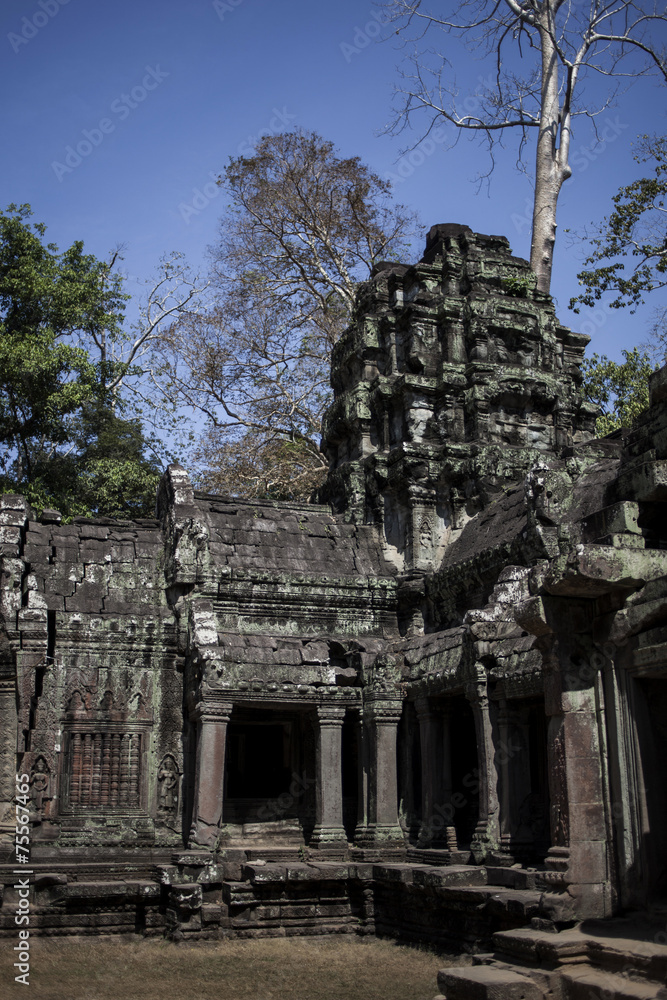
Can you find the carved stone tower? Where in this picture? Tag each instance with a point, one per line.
(454, 376)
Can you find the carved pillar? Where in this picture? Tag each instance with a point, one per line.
(362, 778)
(578, 855)
(574, 704)
(485, 837)
(382, 726)
(212, 719)
(329, 829)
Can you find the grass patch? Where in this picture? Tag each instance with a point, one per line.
(332, 968)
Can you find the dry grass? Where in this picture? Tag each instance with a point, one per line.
(341, 968)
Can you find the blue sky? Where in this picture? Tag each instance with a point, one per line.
(161, 95)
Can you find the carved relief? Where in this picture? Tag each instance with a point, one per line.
(417, 418)
(188, 547)
(40, 789)
(168, 777)
(560, 818)
(425, 538)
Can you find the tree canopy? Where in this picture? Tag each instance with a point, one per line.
(620, 389)
(634, 233)
(63, 443)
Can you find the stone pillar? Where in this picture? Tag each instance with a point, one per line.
(362, 779)
(577, 863)
(329, 831)
(486, 835)
(383, 828)
(212, 718)
(577, 858)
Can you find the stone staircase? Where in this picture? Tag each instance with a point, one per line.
(618, 959)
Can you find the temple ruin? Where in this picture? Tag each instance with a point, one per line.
(431, 705)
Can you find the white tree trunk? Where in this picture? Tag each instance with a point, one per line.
(551, 166)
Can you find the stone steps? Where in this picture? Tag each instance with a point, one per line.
(621, 959)
(581, 982)
(485, 982)
(514, 878)
(611, 953)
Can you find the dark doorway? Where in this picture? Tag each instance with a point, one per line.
(652, 795)
(465, 770)
(258, 760)
(537, 807)
(270, 773)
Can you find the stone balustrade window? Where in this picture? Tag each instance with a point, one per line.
(104, 769)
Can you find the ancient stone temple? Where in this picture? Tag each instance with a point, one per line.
(431, 705)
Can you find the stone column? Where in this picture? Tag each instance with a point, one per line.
(573, 696)
(486, 835)
(383, 826)
(212, 719)
(362, 778)
(578, 855)
(329, 831)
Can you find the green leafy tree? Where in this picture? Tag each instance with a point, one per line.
(619, 389)
(636, 232)
(61, 442)
(46, 297)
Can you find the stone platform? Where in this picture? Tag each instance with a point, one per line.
(199, 895)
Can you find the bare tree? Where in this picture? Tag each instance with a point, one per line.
(309, 222)
(259, 376)
(303, 228)
(125, 354)
(558, 42)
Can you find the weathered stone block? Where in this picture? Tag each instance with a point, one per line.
(487, 983)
